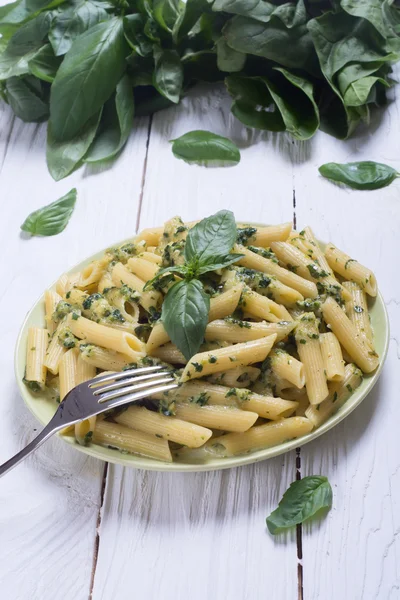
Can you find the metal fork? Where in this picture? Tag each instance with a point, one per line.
(94, 397)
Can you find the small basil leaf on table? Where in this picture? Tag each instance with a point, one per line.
(51, 219)
(185, 315)
(168, 74)
(116, 124)
(302, 500)
(64, 157)
(87, 77)
(211, 237)
(44, 64)
(204, 147)
(364, 175)
(26, 98)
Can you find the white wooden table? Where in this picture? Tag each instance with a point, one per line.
(75, 528)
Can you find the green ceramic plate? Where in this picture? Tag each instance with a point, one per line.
(43, 408)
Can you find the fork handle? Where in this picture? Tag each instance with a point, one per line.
(44, 435)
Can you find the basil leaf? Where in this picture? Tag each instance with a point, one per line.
(359, 92)
(87, 77)
(365, 175)
(116, 124)
(166, 12)
(205, 148)
(133, 31)
(288, 47)
(26, 98)
(71, 23)
(211, 237)
(227, 59)
(44, 64)
(168, 74)
(301, 501)
(290, 14)
(191, 12)
(23, 46)
(181, 269)
(64, 157)
(185, 315)
(51, 219)
(218, 262)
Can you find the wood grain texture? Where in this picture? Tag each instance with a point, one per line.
(354, 554)
(202, 535)
(49, 504)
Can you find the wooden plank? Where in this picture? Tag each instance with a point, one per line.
(354, 552)
(50, 503)
(202, 535)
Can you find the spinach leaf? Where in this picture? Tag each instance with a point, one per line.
(360, 92)
(166, 12)
(23, 46)
(168, 74)
(211, 237)
(87, 77)
(64, 157)
(185, 315)
(204, 147)
(44, 64)
(288, 47)
(365, 175)
(382, 15)
(303, 499)
(190, 13)
(51, 219)
(26, 98)
(71, 23)
(116, 124)
(227, 59)
(133, 30)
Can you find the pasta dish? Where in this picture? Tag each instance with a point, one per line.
(266, 338)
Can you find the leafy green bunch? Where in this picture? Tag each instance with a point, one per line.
(186, 306)
(89, 65)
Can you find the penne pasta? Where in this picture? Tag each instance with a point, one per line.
(332, 357)
(357, 311)
(51, 299)
(234, 331)
(101, 358)
(287, 367)
(36, 345)
(121, 275)
(224, 418)
(350, 269)
(309, 350)
(240, 377)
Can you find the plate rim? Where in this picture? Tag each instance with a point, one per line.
(140, 462)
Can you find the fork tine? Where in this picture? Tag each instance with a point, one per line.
(114, 403)
(132, 388)
(123, 382)
(124, 374)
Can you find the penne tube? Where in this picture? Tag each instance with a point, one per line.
(228, 358)
(136, 442)
(51, 299)
(158, 337)
(297, 262)
(240, 377)
(264, 236)
(101, 358)
(357, 311)
(251, 260)
(36, 346)
(144, 269)
(150, 256)
(55, 350)
(113, 339)
(151, 236)
(287, 367)
(66, 283)
(169, 353)
(67, 372)
(84, 429)
(121, 275)
(171, 429)
(261, 436)
(349, 337)
(202, 392)
(223, 418)
(242, 331)
(309, 350)
(339, 393)
(263, 308)
(105, 282)
(281, 293)
(350, 269)
(92, 273)
(332, 356)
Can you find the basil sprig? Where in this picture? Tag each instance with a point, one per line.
(364, 175)
(53, 218)
(186, 305)
(301, 501)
